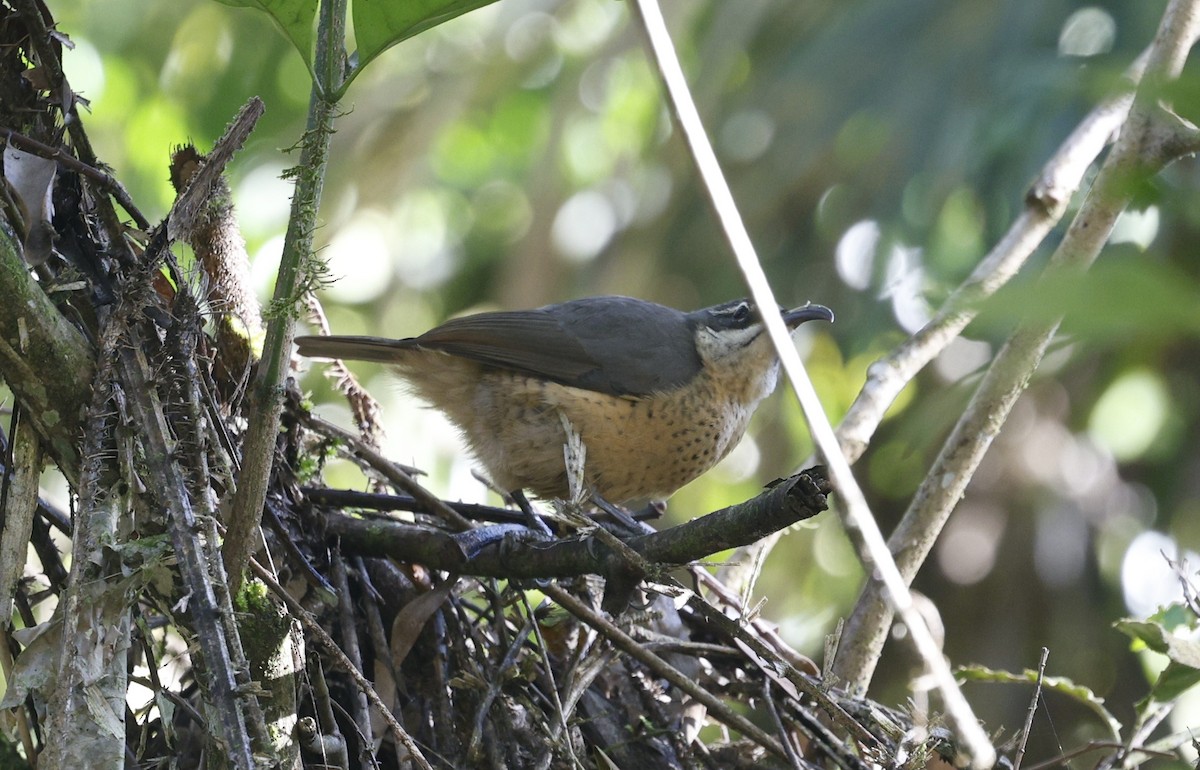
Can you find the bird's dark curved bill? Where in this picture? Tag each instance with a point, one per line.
(809, 312)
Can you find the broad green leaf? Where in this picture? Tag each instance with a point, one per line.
(1077, 692)
(1185, 652)
(294, 17)
(1171, 683)
(380, 24)
(1183, 670)
(1117, 300)
(1150, 634)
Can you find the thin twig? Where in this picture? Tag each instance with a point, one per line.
(784, 738)
(780, 669)
(717, 708)
(363, 405)
(561, 728)
(105, 182)
(350, 644)
(396, 474)
(1033, 704)
(1066, 756)
(495, 685)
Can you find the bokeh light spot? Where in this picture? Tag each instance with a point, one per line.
(746, 135)
(358, 259)
(966, 552)
(263, 200)
(1130, 414)
(1087, 32)
(1147, 580)
(1136, 227)
(584, 225)
(905, 284)
(84, 69)
(855, 254)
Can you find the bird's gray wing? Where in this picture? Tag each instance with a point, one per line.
(528, 341)
(612, 345)
(640, 347)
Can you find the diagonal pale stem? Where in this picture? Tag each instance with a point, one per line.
(857, 515)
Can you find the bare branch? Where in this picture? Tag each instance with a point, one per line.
(1045, 204)
(1138, 152)
(514, 552)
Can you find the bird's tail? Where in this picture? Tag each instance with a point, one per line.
(379, 349)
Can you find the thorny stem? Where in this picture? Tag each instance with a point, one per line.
(297, 270)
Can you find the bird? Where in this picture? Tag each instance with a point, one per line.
(658, 396)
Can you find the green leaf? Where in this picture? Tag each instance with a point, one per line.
(294, 17)
(1118, 300)
(380, 24)
(1062, 685)
(1150, 634)
(1171, 683)
(1174, 616)
(1157, 633)
(1181, 650)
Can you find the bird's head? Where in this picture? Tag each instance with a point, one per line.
(728, 333)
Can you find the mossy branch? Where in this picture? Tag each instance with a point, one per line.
(45, 360)
(296, 273)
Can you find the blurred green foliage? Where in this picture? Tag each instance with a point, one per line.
(521, 154)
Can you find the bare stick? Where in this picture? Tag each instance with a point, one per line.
(858, 515)
(1150, 138)
(784, 737)
(396, 474)
(1033, 704)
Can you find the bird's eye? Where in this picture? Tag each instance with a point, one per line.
(741, 313)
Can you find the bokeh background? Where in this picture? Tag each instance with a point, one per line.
(521, 155)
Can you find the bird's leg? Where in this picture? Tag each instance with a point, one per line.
(653, 510)
(620, 515)
(535, 522)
